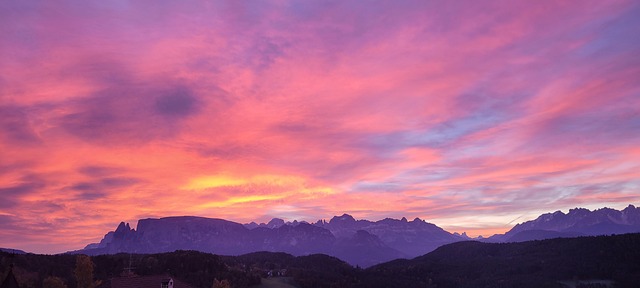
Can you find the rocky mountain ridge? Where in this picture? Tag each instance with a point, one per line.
(413, 238)
(359, 242)
(577, 222)
(229, 238)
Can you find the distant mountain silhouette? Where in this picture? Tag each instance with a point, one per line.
(274, 223)
(359, 242)
(229, 238)
(578, 222)
(412, 238)
(175, 233)
(365, 249)
(13, 251)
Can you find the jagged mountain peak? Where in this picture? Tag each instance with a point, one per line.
(275, 223)
(578, 211)
(344, 218)
(578, 221)
(123, 228)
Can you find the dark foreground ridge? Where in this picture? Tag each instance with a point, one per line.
(601, 260)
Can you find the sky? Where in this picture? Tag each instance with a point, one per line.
(472, 115)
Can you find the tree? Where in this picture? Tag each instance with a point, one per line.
(25, 278)
(53, 282)
(84, 272)
(221, 283)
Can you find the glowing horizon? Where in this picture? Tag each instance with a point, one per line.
(469, 115)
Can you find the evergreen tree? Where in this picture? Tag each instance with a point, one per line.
(53, 282)
(84, 272)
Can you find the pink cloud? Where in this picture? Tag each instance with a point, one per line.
(445, 111)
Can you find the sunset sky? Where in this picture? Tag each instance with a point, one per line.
(472, 115)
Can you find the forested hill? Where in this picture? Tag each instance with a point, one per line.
(545, 263)
(542, 263)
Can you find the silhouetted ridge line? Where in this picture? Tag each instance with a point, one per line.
(359, 242)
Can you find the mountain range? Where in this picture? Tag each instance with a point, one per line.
(13, 251)
(578, 222)
(358, 242)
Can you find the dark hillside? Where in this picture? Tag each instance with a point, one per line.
(542, 263)
(525, 264)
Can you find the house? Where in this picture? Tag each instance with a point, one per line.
(277, 273)
(10, 281)
(152, 281)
